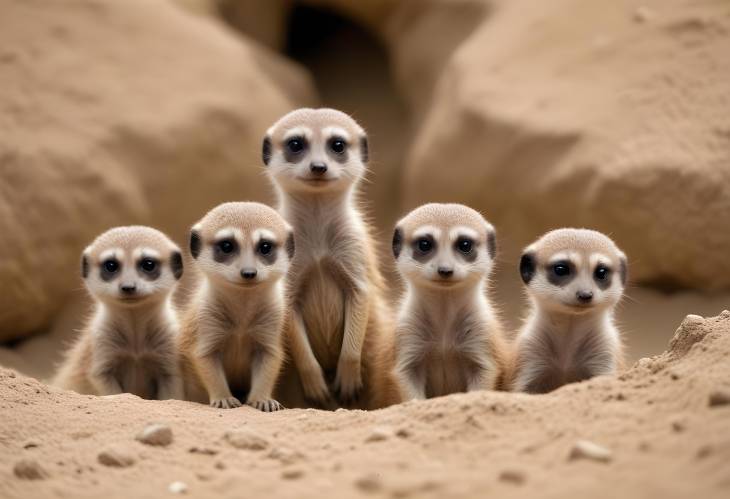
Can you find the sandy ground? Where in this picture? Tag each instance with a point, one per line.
(661, 429)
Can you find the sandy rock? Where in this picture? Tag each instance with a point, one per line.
(96, 131)
(246, 439)
(156, 434)
(116, 457)
(585, 449)
(29, 469)
(379, 434)
(515, 477)
(620, 136)
(292, 474)
(369, 483)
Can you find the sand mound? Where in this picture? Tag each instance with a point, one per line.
(115, 113)
(660, 429)
(600, 114)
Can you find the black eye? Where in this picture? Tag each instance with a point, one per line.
(338, 146)
(424, 245)
(464, 245)
(295, 145)
(226, 246)
(561, 269)
(111, 266)
(265, 247)
(601, 273)
(148, 265)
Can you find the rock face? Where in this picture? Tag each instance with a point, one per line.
(605, 118)
(116, 113)
(457, 446)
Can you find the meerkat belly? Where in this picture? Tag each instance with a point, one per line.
(236, 356)
(322, 306)
(445, 373)
(139, 374)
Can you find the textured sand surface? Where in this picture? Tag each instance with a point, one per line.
(662, 429)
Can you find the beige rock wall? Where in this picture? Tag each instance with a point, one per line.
(114, 113)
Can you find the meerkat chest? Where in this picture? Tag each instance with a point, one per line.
(143, 344)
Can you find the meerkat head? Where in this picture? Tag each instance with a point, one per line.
(574, 271)
(444, 245)
(131, 265)
(242, 244)
(315, 150)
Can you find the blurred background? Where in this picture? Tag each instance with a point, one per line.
(608, 115)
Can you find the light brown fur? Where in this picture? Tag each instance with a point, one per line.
(566, 340)
(448, 336)
(338, 315)
(127, 345)
(232, 328)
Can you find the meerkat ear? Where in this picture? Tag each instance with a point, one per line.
(195, 243)
(491, 243)
(623, 270)
(364, 151)
(176, 263)
(84, 266)
(290, 245)
(527, 267)
(266, 150)
(397, 242)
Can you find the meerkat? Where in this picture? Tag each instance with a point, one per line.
(448, 336)
(316, 159)
(129, 344)
(574, 280)
(231, 335)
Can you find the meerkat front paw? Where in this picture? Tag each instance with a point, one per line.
(225, 403)
(348, 381)
(268, 405)
(315, 387)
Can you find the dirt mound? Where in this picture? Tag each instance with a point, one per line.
(660, 428)
(117, 113)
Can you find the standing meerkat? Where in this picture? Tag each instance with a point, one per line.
(129, 345)
(315, 159)
(232, 328)
(574, 279)
(448, 336)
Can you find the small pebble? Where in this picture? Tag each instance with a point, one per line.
(643, 14)
(156, 434)
(245, 439)
(379, 434)
(679, 425)
(719, 398)
(585, 449)
(285, 455)
(28, 469)
(114, 457)
(515, 477)
(178, 488)
(205, 451)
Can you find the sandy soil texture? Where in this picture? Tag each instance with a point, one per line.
(660, 429)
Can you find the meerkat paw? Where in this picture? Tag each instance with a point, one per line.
(225, 403)
(348, 382)
(267, 405)
(315, 387)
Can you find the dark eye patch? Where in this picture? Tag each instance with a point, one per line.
(225, 250)
(337, 149)
(364, 149)
(294, 148)
(560, 273)
(527, 267)
(266, 251)
(397, 242)
(110, 269)
(424, 248)
(266, 150)
(84, 266)
(149, 268)
(602, 275)
(176, 264)
(466, 248)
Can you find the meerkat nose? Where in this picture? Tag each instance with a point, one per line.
(248, 274)
(445, 272)
(128, 289)
(318, 168)
(584, 296)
